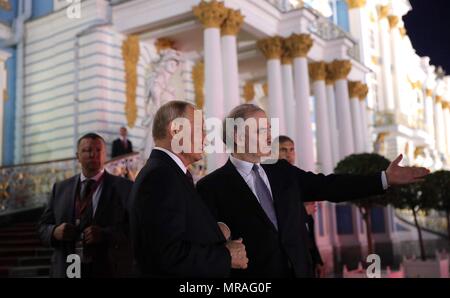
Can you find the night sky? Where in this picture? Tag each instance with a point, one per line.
(428, 27)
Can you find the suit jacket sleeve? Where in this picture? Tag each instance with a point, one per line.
(336, 188)
(131, 146)
(46, 224)
(167, 224)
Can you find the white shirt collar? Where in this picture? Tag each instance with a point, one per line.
(175, 158)
(242, 165)
(123, 139)
(96, 177)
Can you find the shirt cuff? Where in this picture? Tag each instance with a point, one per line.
(384, 180)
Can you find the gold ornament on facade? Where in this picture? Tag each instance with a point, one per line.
(402, 31)
(317, 71)
(429, 92)
(211, 14)
(198, 76)
(4, 4)
(339, 69)
(375, 60)
(298, 44)
(418, 151)
(164, 44)
(355, 3)
(445, 105)
(265, 87)
(271, 47)
(383, 11)
(233, 22)
(249, 91)
(438, 99)
(393, 21)
(130, 54)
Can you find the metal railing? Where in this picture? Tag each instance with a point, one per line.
(29, 185)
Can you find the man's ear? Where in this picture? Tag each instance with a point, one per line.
(171, 131)
(77, 155)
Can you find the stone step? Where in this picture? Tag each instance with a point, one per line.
(20, 242)
(25, 252)
(25, 271)
(25, 261)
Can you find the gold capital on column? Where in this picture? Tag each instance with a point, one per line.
(271, 47)
(339, 69)
(298, 44)
(445, 105)
(317, 71)
(429, 92)
(383, 11)
(393, 21)
(164, 43)
(364, 90)
(355, 3)
(330, 75)
(233, 22)
(211, 14)
(286, 57)
(354, 89)
(438, 98)
(249, 91)
(198, 76)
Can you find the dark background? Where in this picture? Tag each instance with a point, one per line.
(428, 27)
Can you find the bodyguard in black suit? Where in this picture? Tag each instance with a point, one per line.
(173, 232)
(89, 211)
(121, 145)
(260, 202)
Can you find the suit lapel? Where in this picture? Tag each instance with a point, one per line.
(238, 186)
(71, 194)
(104, 198)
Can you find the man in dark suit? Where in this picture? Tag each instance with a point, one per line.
(286, 150)
(121, 145)
(86, 215)
(260, 202)
(173, 232)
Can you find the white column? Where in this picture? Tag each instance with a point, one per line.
(354, 90)
(230, 28)
(272, 49)
(397, 69)
(317, 73)
(289, 99)
(3, 87)
(446, 116)
(385, 49)
(212, 15)
(341, 68)
(365, 124)
(299, 45)
(429, 111)
(438, 125)
(331, 105)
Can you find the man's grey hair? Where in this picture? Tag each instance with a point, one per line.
(243, 111)
(166, 114)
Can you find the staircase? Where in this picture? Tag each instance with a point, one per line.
(21, 252)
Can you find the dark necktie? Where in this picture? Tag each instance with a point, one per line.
(189, 176)
(86, 213)
(264, 196)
